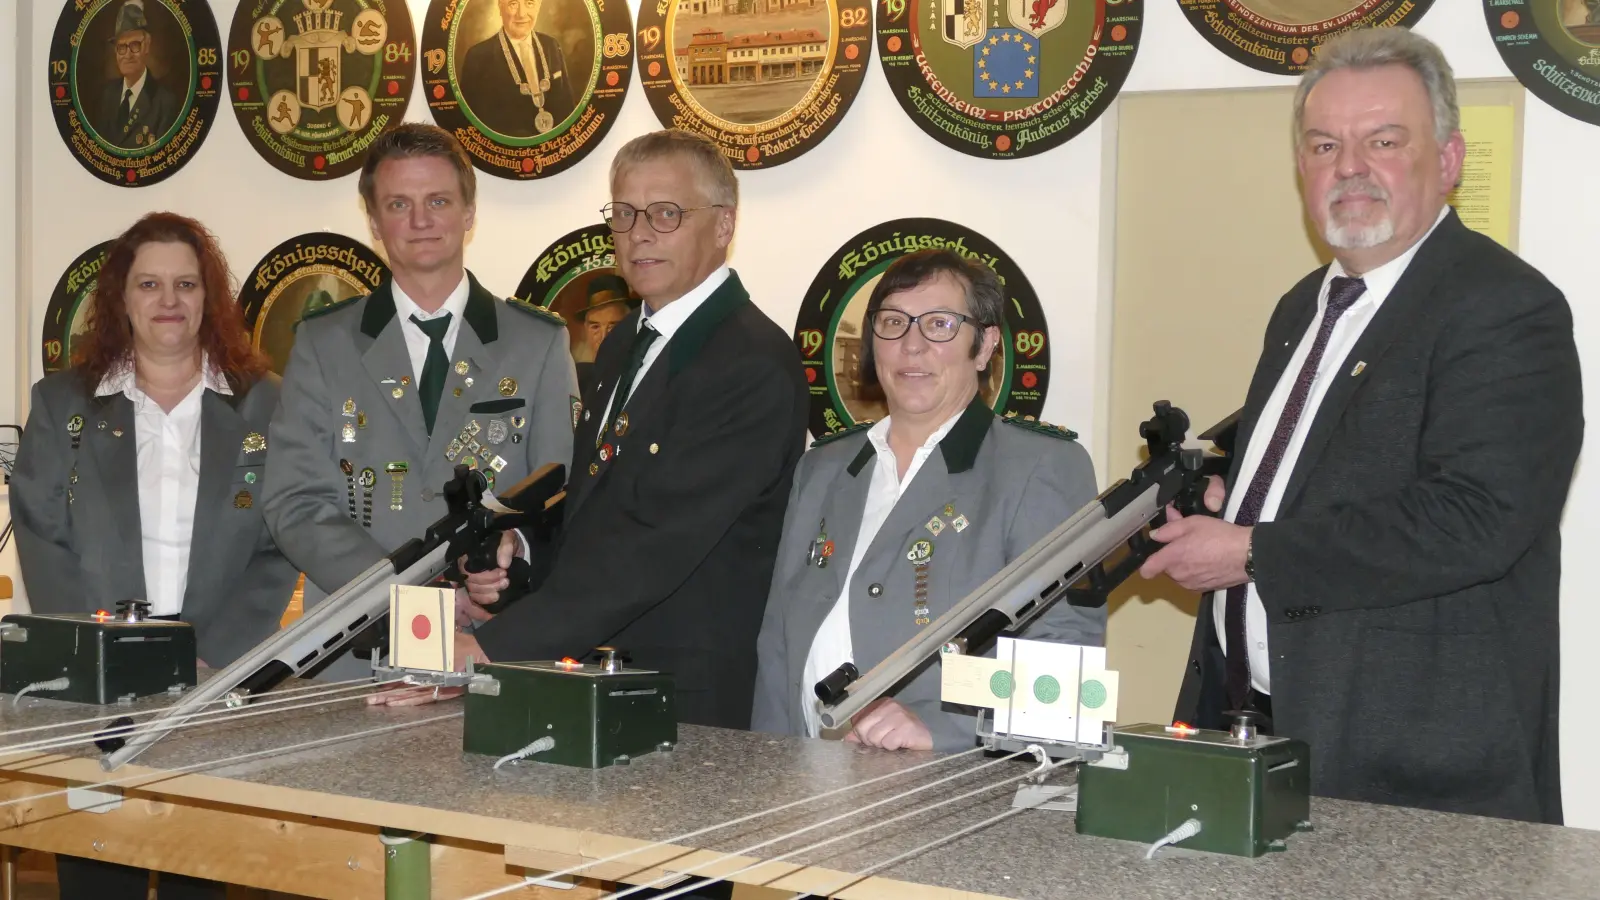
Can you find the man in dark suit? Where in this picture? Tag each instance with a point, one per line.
(685, 450)
(516, 81)
(1387, 568)
(135, 109)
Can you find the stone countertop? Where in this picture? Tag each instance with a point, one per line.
(420, 778)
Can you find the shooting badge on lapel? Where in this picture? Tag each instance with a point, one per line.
(920, 555)
(821, 547)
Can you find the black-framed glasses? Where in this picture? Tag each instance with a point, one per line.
(663, 215)
(938, 326)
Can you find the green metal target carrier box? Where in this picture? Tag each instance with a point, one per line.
(1249, 792)
(103, 658)
(598, 714)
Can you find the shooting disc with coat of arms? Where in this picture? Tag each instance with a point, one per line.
(1001, 79)
(315, 82)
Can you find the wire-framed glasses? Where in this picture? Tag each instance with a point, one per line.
(663, 215)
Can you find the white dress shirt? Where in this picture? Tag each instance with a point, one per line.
(1346, 333)
(666, 322)
(137, 88)
(528, 55)
(168, 448)
(416, 339)
(831, 647)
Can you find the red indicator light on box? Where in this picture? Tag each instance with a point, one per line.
(1182, 728)
(569, 661)
(102, 615)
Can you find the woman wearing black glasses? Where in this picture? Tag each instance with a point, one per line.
(889, 526)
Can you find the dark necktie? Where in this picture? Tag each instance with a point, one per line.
(1342, 292)
(641, 343)
(431, 384)
(124, 108)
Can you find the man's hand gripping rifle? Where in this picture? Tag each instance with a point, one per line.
(471, 527)
(1071, 562)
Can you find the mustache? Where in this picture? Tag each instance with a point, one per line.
(1357, 187)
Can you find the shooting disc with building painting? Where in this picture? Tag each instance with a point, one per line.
(766, 79)
(831, 327)
(1002, 79)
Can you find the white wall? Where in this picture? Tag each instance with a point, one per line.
(877, 165)
(1050, 213)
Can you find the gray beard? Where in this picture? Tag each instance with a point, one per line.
(1359, 237)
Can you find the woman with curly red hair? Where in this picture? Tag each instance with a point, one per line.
(139, 468)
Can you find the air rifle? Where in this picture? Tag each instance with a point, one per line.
(1071, 562)
(470, 526)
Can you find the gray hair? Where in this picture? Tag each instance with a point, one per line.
(713, 175)
(1370, 48)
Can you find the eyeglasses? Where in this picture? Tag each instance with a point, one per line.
(663, 215)
(131, 48)
(938, 326)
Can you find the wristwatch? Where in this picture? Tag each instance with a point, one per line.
(1250, 559)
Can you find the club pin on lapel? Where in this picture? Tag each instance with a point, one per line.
(1360, 366)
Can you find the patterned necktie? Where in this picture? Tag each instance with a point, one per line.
(125, 108)
(641, 343)
(431, 384)
(1342, 292)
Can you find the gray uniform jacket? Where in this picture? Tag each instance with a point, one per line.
(79, 542)
(1010, 482)
(350, 419)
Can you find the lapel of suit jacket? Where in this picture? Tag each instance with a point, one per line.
(1408, 300)
(683, 348)
(477, 343)
(842, 510)
(109, 432)
(607, 369)
(141, 107)
(222, 432)
(933, 489)
(383, 351)
(1275, 355)
(650, 392)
